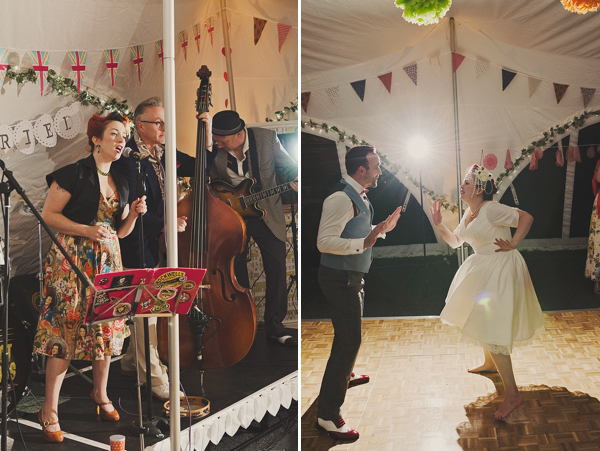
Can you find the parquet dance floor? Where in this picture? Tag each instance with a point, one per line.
(421, 397)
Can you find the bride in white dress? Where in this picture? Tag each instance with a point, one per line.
(491, 298)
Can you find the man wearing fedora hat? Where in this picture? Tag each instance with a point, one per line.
(257, 153)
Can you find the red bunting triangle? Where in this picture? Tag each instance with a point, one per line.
(457, 60)
(559, 91)
(304, 99)
(282, 32)
(386, 79)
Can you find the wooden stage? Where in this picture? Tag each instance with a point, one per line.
(421, 397)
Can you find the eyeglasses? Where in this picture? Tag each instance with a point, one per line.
(159, 124)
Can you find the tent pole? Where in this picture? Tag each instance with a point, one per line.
(228, 55)
(461, 249)
(171, 208)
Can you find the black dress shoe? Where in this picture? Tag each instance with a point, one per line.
(338, 429)
(285, 340)
(358, 380)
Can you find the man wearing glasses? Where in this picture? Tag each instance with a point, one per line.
(148, 139)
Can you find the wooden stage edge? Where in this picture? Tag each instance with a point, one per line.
(421, 398)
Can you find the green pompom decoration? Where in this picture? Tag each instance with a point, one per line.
(424, 12)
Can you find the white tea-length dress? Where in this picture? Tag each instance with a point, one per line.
(491, 298)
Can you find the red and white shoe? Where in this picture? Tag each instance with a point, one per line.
(358, 380)
(339, 430)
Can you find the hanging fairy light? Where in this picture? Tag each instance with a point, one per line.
(580, 6)
(423, 12)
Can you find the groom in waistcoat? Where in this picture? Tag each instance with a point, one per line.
(345, 239)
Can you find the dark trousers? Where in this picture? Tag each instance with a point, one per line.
(345, 295)
(272, 251)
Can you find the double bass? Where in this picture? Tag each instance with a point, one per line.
(221, 325)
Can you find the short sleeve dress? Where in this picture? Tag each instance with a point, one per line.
(491, 298)
(60, 331)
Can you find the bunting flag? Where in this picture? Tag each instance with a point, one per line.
(559, 91)
(586, 93)
(40, 65)
(111, 58)
(304, 99)
(210, 28)
(539, 152)
(282, 33)
(411, 71)
(481, 68)
(457, 60)
(359, 88)
(333, 93)
(507, 77)
(183, 39)
(573, 154)
(197, 33)
(386, 79)
(533, 164)
(259, 26)
(591, 153)
(533, 85)
(137, 55)
(4, 54)
(159, 51)
(78, 60)
(507, 161)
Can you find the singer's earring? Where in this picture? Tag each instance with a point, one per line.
(98, 147)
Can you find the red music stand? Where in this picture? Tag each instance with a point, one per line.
(143, 292)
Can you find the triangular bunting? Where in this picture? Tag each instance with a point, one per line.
(197, 33)
(559, 91)
(560, 159)
(481, 68)
(4, 54)
(359, 88)
(137, 55)
(111, 58)
(282, 33)
(78, 60)
(507, 161)
(333, 93)
(533, 85)
(591, 153)
(304, 99)
(411, 71)
(159, 51)
(586, 93)
(507, 77)
(210, 28)
(183, 39)
(259, 26)
(386, 79)
(457, 60)
(40, 65)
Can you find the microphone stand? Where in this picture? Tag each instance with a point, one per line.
(150, 426)
(5, 190)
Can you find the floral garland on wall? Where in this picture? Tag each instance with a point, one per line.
(287, 110)
(394, 168)
(64, 86)
(549, 136)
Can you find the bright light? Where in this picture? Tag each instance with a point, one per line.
(418, 147)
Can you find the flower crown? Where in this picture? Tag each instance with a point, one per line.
(481, 177)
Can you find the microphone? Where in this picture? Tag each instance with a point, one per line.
(129, 153)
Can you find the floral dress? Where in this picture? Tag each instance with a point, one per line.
(60, 331)
(592, 263)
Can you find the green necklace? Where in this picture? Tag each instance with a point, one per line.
(101, 172)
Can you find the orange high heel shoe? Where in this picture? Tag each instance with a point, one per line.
(105, 415)
(55, 436)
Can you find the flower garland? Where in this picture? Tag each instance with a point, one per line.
(423, 12)
(576, 123)
(64, 86)
(280, 115)
(395, 168)
(581, 6)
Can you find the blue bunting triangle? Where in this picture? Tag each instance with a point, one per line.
(359, 87)
(507, 77)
